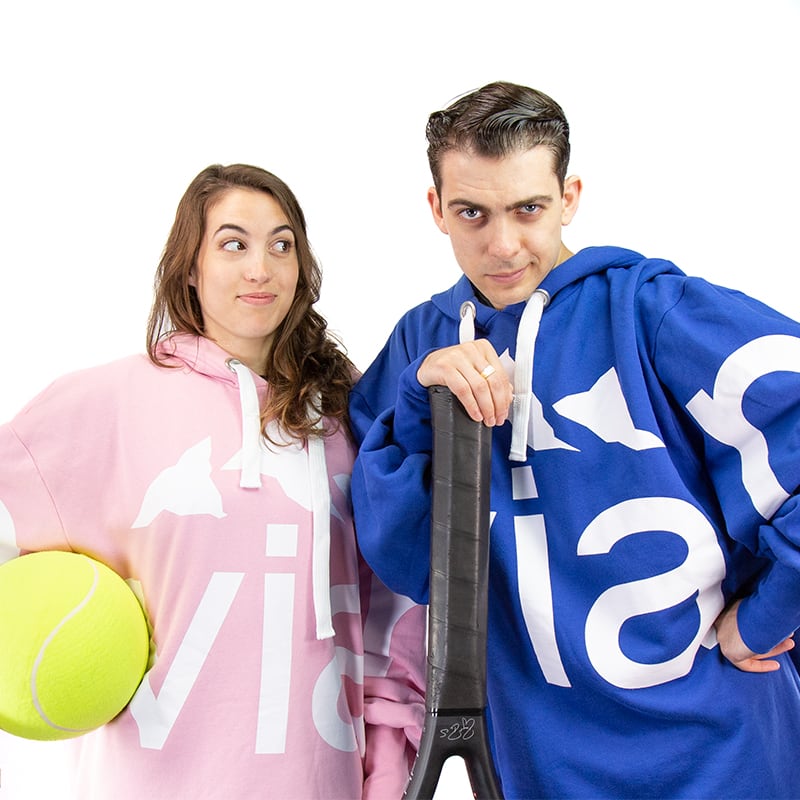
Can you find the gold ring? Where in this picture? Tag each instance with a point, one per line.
(487, 371)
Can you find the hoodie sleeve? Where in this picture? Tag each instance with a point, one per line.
(739, 392)
(54, 459)
(394, 680)
(391, 477)
(28, 517)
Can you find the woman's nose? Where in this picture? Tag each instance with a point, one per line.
(258, 268)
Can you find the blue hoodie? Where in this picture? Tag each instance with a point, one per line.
(646, 481)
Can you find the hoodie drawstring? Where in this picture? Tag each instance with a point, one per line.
(250, 477)
(527, 332)
(320, 492)
(466, 328)
(321, 511)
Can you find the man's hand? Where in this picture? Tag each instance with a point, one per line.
(737, 652)
(473, 373)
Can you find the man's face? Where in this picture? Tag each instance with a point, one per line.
(504, 218)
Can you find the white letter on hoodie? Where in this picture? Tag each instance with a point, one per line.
(721, 415)
(701, 573)
(155, 716)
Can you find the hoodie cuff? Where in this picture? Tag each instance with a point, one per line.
(772, 612)
(412, 414)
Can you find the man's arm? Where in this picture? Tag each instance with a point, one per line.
(740, 393)
(390, 416)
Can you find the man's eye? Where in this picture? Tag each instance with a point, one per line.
(469, 213)
(530, 208)
(233, 245)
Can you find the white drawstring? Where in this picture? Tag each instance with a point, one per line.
(527, 332)
(321, 556)
(250, 476)
(466, 328)
(319, 490)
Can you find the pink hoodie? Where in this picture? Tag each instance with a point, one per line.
(282, 667)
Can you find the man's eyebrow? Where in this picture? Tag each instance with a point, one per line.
(536, 200)
(458, 201)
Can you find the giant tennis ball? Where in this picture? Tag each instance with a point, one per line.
(74, 645)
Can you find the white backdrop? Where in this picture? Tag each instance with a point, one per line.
(685, 132)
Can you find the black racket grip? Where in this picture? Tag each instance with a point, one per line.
(459, 573)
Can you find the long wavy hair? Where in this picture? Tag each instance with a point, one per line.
(308, 372)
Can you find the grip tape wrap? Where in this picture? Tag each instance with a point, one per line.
(459, 574)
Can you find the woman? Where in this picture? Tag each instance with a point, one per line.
(214, 476)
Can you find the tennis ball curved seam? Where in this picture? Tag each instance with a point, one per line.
(53, 633)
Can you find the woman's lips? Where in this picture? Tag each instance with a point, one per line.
(257, 298)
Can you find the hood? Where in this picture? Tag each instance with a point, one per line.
(201, 355)
(461, 303)
(586, 262)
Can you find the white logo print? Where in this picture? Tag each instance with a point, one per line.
(721, 415)
(603, 410)
(185, 488)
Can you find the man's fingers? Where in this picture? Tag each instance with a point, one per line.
(473, 372)
(763, 662)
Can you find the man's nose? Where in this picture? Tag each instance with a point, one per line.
(504, 241)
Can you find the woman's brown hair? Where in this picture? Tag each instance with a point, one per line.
(308, 373)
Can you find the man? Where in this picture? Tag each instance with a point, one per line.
(645, 566)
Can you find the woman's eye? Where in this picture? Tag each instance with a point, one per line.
(233, 245)
(284, 246)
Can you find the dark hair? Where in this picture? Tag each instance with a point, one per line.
(496, 120)
(305, 360)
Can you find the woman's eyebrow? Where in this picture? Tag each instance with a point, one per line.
(231, 226)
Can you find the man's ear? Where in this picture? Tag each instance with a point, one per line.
(571, 198)
(436, 209)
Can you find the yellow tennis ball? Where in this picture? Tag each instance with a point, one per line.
(74, 645)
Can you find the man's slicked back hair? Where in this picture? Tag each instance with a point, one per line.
(497, 120)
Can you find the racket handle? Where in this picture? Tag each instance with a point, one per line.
(459, 557)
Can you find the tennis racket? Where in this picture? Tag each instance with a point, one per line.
(455, 703)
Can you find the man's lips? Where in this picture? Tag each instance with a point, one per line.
(506, 277)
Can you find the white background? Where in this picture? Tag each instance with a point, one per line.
(685, 132)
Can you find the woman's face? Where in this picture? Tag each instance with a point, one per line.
(246, 273)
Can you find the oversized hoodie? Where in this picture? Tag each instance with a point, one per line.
(647, 477)
(281, 666)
